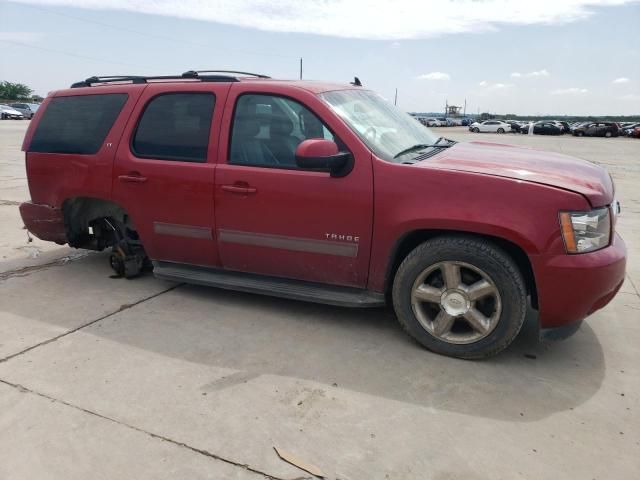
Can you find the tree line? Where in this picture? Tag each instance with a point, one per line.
(17, 91)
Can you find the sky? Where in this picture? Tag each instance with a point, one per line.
(527, 57)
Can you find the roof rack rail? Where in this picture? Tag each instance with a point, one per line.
(190, 75)
(196, 73)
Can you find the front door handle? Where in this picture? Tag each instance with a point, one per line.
(132, 178)
(238, 188)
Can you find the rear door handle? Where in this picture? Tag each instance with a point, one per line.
(132, 178)
(241, 189)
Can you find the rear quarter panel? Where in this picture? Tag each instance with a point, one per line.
(54, 177)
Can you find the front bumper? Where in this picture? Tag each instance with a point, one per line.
(572, 287)
(44, 221)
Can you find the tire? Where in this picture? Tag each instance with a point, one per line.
(580, 134)
(501, 130)
(475, 130)
(504, 309)
(607, 134)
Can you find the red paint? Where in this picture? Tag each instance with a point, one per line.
(316, 147)
(45, 222)
(510, 193)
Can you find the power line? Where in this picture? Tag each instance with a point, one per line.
(154, 35)
(70, 54)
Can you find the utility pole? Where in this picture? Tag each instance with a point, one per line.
(395, 99)
(465, 108)
(300, 68)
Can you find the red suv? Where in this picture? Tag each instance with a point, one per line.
(325, 193)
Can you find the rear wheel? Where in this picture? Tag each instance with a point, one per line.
(460, 296)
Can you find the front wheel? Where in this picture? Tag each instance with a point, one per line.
(475, 130)
(460, 296)
(607, 134)
(501, 130)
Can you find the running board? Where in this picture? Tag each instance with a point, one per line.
(264, 285)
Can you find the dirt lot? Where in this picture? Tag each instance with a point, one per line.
(106, 378)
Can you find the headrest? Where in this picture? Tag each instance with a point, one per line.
(246, 125)
(281, 125)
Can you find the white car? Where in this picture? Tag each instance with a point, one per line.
(433, 122)
(28, 110)
(490, 126)
(6, 112)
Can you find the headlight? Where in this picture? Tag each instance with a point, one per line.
(586, 231)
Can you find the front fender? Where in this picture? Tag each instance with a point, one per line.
(410, 199)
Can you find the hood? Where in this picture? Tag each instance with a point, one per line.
(528, 165)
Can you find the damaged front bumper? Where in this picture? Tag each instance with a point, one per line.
(44, 221)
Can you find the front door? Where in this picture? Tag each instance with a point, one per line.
(164, 170)
(273, 218)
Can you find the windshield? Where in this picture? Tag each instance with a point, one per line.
(385, 128)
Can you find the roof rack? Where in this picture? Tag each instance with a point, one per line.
(189, 75)
(197, 73)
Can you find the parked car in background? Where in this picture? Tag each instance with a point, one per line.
(434, 122)
(635, 133)
(596, 129)
(8, 113)
(628, 128)
(515, 126)
(490, 126)
(28, 110)
(465, 122)
(566, 128)
(543, 128)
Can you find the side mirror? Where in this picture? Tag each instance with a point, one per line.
(323, 155)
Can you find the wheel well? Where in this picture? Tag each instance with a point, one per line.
(80, 213)
(411, 240)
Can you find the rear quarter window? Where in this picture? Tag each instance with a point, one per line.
(77, 124)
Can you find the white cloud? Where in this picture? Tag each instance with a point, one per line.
(621, 80)
(495, 86)
(570, 91)
(537, 73)
(434, 76)
(367, 19)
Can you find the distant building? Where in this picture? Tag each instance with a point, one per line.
(453, 111)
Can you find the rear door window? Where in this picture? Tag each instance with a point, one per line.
(175, 126)
(77, 124)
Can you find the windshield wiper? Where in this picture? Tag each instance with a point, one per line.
(420, 146)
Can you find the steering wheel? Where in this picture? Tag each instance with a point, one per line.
(371, 133)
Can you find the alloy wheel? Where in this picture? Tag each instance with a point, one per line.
(456, 302)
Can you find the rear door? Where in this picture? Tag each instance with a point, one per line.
(164, 170)
(273, 218)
